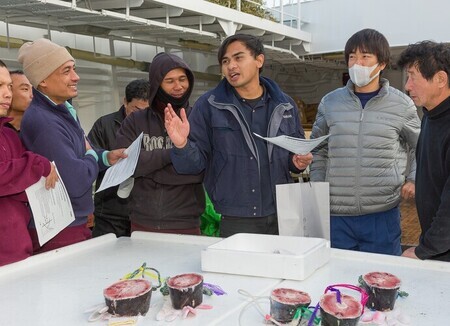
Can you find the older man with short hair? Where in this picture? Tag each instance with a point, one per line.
(428, 70)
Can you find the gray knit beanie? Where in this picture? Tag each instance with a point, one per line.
(41, 58)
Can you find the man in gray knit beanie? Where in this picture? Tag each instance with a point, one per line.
(50, 127)
(40, 58)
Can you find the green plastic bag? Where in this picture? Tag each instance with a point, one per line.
(210, 219)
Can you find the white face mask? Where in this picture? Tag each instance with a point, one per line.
(360, 75)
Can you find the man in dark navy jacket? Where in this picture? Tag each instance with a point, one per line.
(241, 170)
(50, 127)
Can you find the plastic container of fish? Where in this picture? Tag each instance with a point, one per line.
(286, 257)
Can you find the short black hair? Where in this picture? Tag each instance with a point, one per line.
(16, 72)
(252, 43)
(428, 57)
(368, 41)
(137, 89)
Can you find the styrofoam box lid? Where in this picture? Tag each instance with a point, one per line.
(286, 257)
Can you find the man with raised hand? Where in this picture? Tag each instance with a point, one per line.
(241, 170)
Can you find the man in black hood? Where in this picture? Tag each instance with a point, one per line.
(171, 81)
(161, 199)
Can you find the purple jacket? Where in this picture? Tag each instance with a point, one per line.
(19, 169)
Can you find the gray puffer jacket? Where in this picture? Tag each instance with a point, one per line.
(364, 157)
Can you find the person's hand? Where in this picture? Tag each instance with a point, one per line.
(177, 129)
(88, 145)
(410, 253)
(301, 162)
(50, 180)
(114, 155)
(408, 190)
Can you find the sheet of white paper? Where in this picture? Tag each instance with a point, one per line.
(52, 210)
(124, 168)
(295, 145)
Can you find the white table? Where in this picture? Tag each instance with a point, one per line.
(56, 288)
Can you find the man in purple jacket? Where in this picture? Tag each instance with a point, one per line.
(51, 128)
(19, 169)
(22, 93)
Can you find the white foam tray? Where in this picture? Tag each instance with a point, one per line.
(285, 257)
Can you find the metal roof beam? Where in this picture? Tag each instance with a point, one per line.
(225, 13)
(113, 4)
(157, 12)
(228, 26)
(192, 20)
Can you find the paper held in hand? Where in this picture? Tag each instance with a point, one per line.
(295, 145)
(124, 168)
(52, 210)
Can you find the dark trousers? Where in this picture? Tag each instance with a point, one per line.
(105, 224)
(376, 232)
(230, 225)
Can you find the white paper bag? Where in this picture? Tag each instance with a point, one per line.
(304, 209)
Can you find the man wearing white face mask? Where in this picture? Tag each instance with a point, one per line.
(361, 76)
(364, 159)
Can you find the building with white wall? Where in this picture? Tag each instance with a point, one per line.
(115, 40)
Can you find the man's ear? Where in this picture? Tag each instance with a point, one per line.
(125, 101)
(441, 78)
(260, 59)
(42, 85)
(382, 66)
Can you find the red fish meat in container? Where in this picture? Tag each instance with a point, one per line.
(128, 297)
(338, 309)
(382, 288)
(284, 303)
(345, 313)
(185, 290)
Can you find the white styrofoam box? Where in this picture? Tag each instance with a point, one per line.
(274, 256)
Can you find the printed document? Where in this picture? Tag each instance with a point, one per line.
(52, 210)
(295, 145)
(124, 168)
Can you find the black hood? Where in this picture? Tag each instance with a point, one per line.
(163, 63)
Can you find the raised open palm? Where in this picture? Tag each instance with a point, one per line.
(177, 129)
